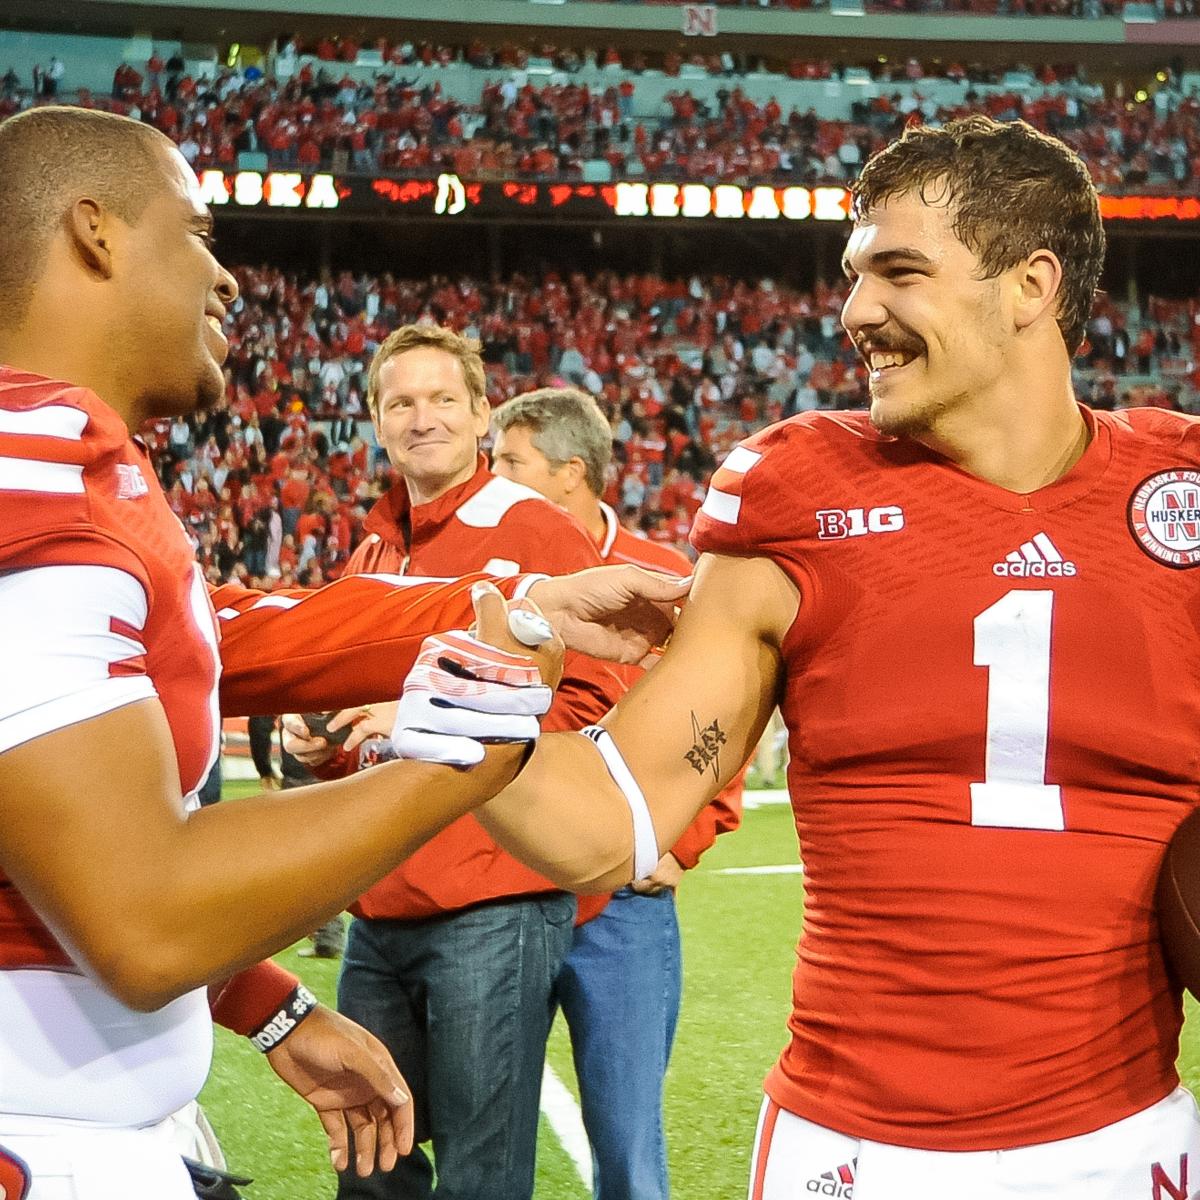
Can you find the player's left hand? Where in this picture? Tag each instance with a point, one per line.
(620, 613)
(665, 877)
(349, 1077)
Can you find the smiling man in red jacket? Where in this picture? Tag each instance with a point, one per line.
(451, 959)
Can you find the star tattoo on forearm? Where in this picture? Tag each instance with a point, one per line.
(706, 747)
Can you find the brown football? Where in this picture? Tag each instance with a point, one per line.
(1179, 903)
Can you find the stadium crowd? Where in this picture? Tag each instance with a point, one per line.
(313, 116)
(274, 486)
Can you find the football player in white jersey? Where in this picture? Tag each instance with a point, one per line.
(119, 904)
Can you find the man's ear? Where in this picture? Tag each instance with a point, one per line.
(575, 470)
(482, 411)
(1039, 283)
(89, 228)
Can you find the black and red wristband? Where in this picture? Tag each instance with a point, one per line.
(299, 1004)
(264, 1003)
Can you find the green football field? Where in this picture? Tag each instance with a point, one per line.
(739, 933)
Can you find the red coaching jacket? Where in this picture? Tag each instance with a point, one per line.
(502, 528)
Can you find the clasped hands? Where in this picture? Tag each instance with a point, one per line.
(492, 684)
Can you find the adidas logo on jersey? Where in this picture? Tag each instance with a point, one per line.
(839, 1184)
(1037, 558)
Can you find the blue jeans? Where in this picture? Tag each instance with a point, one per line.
(619, 991)
(464, 1003)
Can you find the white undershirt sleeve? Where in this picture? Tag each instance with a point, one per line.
(71, 648)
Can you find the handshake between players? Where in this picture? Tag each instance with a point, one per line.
(490, 685)
(467, 690)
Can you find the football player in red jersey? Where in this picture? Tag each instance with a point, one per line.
(977, 609)
(118, 902)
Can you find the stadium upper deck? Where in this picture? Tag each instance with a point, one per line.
(1104, 33)
(423, 110)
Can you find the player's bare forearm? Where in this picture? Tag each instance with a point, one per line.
(154, 902)
(684, 731)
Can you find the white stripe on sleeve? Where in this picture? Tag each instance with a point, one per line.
(276, 602)
(51, 478)
(287, 602)
(741, 459)
(57, 645)
(722, 506)
(52, 420)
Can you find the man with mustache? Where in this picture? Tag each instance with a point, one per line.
(977, 608)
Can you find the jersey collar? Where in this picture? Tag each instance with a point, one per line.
(611, 525)
(1076, 483)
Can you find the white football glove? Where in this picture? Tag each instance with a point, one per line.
(463, 694)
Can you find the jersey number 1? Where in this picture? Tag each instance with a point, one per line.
(1012, 639)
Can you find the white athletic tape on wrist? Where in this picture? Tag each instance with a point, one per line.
(529, 628)
(645, 842)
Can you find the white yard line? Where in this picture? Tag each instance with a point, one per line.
(757, 798)
(781, 869)
(565, 1119)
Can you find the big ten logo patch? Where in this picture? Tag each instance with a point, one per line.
(834, 523)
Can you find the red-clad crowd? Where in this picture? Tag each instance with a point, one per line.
(274, 485)
(315, 117)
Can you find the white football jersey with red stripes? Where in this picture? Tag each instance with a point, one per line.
(101, 605)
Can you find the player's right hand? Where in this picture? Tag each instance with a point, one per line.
(468, 691)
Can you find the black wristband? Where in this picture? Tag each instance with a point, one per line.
(295, 1008)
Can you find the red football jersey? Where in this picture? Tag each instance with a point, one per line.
(77, 490)
(992, 702)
